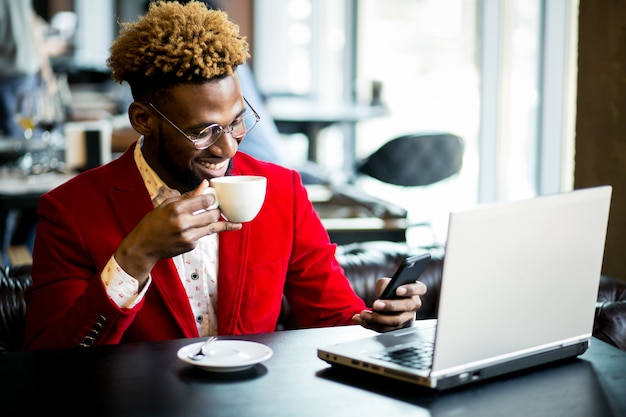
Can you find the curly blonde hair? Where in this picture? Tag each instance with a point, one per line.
(175, 43)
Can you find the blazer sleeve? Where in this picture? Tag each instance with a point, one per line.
(316, 289)
(67, 303)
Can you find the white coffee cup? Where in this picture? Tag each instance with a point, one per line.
(239, 197)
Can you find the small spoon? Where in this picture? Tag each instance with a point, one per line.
(200, 354)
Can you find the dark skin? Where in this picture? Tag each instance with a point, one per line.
(171, 229)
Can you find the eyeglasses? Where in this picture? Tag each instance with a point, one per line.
(211, 134)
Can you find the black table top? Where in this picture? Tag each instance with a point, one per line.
(147, 379)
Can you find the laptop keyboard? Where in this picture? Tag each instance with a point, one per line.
(417, 357)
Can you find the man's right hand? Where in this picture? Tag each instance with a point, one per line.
(169, 230)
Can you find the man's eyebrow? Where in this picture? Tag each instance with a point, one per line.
(241, 113)
(199, 126)
(203, 125)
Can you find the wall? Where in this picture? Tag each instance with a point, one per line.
(601, 116)
(241, 12)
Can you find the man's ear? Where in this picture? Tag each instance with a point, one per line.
(141, 118)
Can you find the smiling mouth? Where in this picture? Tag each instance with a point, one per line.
(212, 166)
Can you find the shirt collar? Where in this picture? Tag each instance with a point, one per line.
(157, 189)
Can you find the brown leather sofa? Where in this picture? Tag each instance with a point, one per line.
(363, 263)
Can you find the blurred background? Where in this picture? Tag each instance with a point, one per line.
(469, 67)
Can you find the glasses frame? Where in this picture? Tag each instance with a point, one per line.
(228, 129)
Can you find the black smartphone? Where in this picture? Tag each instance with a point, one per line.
(409, 271)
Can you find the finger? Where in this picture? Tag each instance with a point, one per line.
(205, 202)
(417, 288)
(406, 290)
(382, 322)
(192, 202)
(411, 290)
(204, 217)
(381, 283)
(205, 208)
(217, 227)
(199, 189)
(395, 306)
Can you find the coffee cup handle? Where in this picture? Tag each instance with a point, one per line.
(212, 191)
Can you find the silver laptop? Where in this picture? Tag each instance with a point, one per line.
(519, 286)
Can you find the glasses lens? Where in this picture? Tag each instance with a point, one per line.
(249, 121)
(238, 129)
(208, 136)
(242, 126)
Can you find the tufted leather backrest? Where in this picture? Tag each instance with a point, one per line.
(363, 263)
(13, 282)
(610, 321)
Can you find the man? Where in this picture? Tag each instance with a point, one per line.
(121, 253)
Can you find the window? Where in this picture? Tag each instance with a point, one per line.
(498, 73)
(528, 72)
(424, 53)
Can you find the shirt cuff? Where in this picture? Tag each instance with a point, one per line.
(122, 288)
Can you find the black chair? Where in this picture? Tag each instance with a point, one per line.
(416, 160)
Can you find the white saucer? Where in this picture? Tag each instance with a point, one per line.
(226, 355)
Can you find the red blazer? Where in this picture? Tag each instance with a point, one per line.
(284, 250)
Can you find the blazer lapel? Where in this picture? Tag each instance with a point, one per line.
(167, 283)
